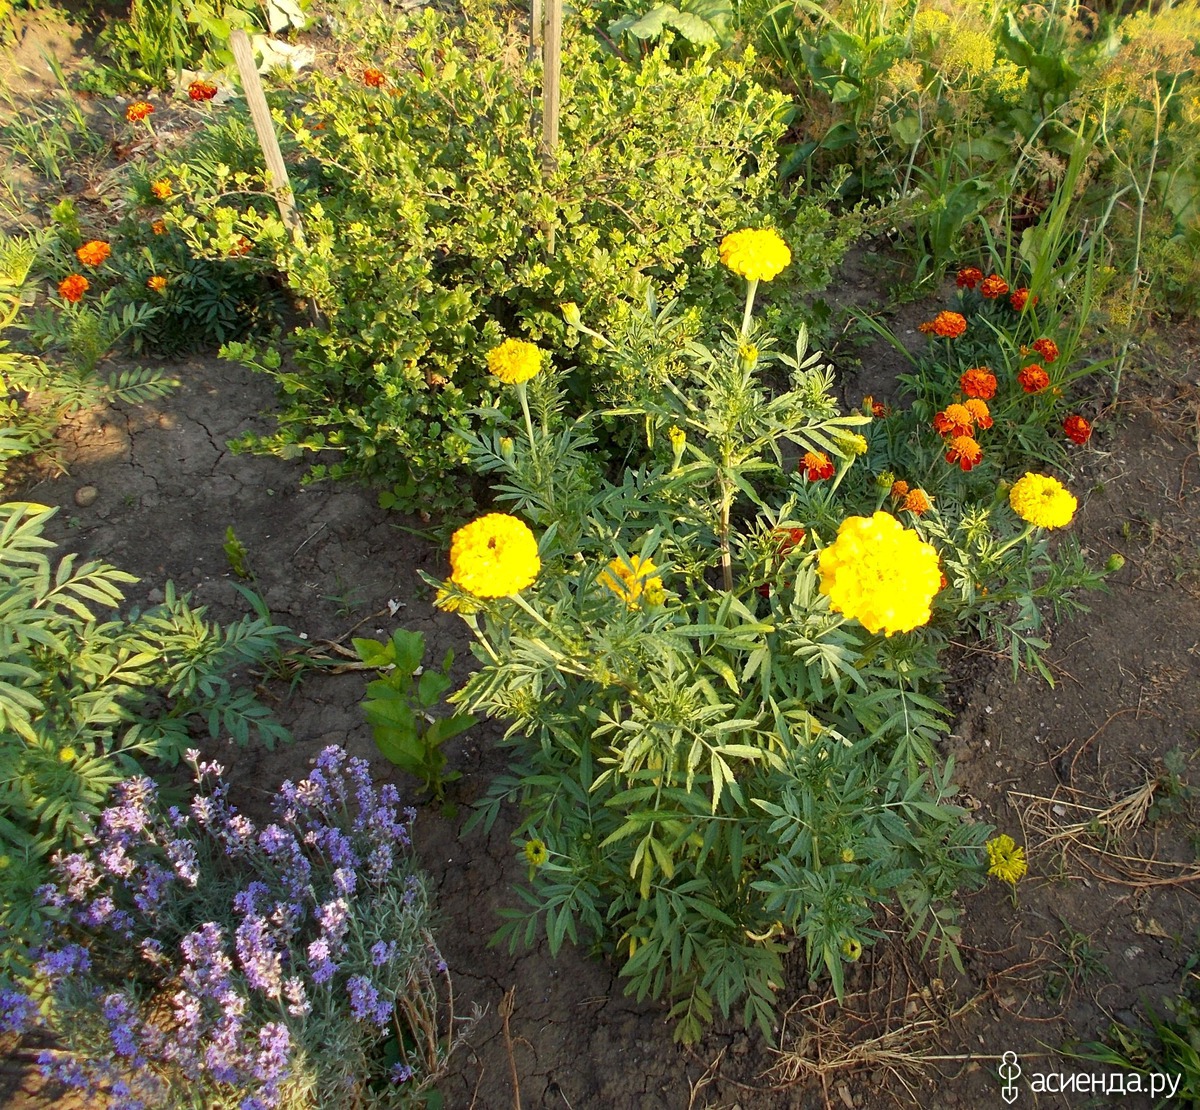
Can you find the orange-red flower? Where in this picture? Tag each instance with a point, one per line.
(979, 382)
(373, 78)
(899, 488)
(202, 90)
(138, 111)
(1078, 429)
(969, 277)
(162, 189)
(159, 227)
(93, 252)
(954, 420)
(1020, 298)
(817, 465)
(1033, 378)
(917, 501)
(241, 246)
(964, 451)
(949, 325)
(1047, 348)
(787, 538)
(876, 408)
(979, 412)
(993, 286)
(73, 287)
(158, 283)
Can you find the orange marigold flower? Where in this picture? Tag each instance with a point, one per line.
(138, 111)
(787, 538)
(979, 382)
(949, 325)
(964, 451)
(162, 189)
(241, 245)
(917, 501)
(979, 412)
(1047, 348)
(158, 283)
(373, 78)
(993, 286)
(876, 408)
(1020, 298)
(159, 227)
(1078, 429)
(1033, 378)
(899, 488)
(969, 277)
(73, 287)
(93, 252)
(817, 465)
(954, 420)
(202, 90)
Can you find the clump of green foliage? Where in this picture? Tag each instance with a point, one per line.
(427, 219)
(85, 695)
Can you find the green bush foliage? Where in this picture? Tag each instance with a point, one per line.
(85, 694)
(426, 223)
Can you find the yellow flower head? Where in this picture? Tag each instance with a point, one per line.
(757, 254)
(494, 556)
(450, 602)
(535, 852)
(1006, 861)
(67, 755)
(853, 444)
(162, 189)
(633, 581)
(514, 361)
(677, 436)
(880, 573)
(1042, 501)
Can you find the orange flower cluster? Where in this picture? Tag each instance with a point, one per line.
(876, 408)
(899, 488)
(917, 501)
(979, 382)
(202, 90)
(953, 420)
(1047, 348)
(949, 325)
(162, 189)
(1077, 428)
(969, 277)
(159, 227)
(964, 451)
(957, 423)
(1020, 298)
(786, 539)
(1033, 378)
(993, 286)
(138, 111)
(93, 252)
(373, 78)
(158, 283)
(817, 466)
(73, 287)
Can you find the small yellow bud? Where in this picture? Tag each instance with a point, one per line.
(1115, 563)
(851, 949)
(847, 855)
(570, 311)
(67, 755)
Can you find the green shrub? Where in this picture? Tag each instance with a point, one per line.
(85, 694)
(426, 221)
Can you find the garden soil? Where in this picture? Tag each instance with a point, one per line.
(1093, 773)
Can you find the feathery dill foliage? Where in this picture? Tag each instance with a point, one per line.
(202, 957)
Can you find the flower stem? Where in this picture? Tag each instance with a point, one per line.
(1014, 541)
(750, 291)
(523, 398)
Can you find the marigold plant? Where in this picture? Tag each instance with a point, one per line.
(73, 287)
(1033, 378)
(1006, 859)
(1042, 501)
(978, 382)
(93, 252)
(949, 325)
(494, 556)
(1077, 428)
(755, 254)
(514, 361)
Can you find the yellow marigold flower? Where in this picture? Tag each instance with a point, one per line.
(68, 755)
(847, 855)
(853, 444)
(1006, 861)
(634, 582)
(158, 283)
(93, 252)
(162, 189)
(1042, 501)
(535, 852)
(757, 254)
(677, 436)
(880, 573)
(514, 361)
(494, 556)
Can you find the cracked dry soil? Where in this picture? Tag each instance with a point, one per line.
(1031, 759)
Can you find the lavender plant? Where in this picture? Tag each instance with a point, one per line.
(206, 961)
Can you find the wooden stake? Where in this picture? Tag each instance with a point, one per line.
(535, 30)
(551, 71)
(264, 128)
